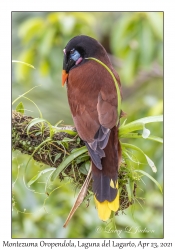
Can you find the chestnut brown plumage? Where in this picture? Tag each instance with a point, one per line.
(93, 102)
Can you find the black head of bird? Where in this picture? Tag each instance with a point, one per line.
(77, 50)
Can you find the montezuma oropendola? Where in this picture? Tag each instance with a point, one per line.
(93, 102)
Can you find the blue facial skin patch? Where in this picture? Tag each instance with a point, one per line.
(75, 55)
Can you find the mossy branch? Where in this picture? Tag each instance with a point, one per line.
(27, 143)
(54, 151)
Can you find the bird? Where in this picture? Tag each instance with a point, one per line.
(93, 101)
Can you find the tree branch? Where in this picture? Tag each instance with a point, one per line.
(54, 151)
(51, 153)
(27, 143)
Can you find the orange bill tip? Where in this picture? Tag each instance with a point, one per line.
(64, 77)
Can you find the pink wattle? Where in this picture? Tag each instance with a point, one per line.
(79, 61)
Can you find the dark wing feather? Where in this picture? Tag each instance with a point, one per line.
(96, 147)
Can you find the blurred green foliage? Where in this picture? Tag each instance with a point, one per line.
(134, 41)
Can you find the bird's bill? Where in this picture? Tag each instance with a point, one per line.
(64, 77)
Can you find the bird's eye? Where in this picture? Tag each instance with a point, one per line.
(72, 51)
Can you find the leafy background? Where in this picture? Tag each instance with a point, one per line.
(134, 42)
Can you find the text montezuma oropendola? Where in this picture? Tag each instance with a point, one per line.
(93, 102)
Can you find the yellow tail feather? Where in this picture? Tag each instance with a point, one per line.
(104, 208)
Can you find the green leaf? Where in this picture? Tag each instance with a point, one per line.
(61, 121)
(20, 108)
(36, 177)
(38, 133)
(78, 140)
(82, 158)
(127, 156)
(139, 124)
(33, 122)
(75, 150)
(65, 144)
(67, 139)
(84, 169)
(149, 119)
(137, 135)
(150, 177)
(39, 120)
(150, 162)
(57, 157)
(123, 123)
(67, 161)
(67, 131)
